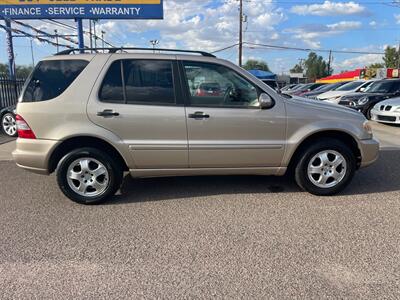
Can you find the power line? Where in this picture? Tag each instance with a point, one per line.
(74, 28)
(310, 49)
(66, 38)
(225, 48)
(34, 36)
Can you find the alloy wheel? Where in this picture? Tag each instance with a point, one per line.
(327, 169)
(9, 124)
(88, 177)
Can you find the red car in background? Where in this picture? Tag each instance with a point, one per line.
(210, 89)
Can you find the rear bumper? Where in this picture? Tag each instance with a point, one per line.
(33, 155)
(369, 152)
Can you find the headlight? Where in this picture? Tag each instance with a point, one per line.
(362, 101)
(367, 127)
(397, 109)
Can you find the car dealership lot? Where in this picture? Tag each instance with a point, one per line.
(241, 236)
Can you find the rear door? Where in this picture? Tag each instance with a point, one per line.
(140, 100)
(227, 128)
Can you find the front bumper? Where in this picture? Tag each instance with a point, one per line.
(369, 152)
(385, 116)
(33, 155)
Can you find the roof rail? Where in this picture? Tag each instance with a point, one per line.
(114, 50)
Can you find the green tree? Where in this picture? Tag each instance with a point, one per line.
(316, 67)
(391, 57)
(21, 71)
(254, 64)
(298, 68)
(376, 66)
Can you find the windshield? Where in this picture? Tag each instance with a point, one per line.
(305, 87)
(350, 86)
(322, 88)
(381, 87)
(297, 87)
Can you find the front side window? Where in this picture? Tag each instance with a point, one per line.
(51, 78)
(139, 82)
(219, 86)
(384, 86)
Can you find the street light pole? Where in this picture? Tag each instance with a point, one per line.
(102, 39)
(95, 34)
(33, 58)
(240, 32)
(154, 43)
(56, 34)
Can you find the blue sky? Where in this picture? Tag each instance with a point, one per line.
(210, 25)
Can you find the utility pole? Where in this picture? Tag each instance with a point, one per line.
(240, 33)
(329, 62)
(398, 57)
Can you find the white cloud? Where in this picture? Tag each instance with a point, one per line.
(358, 62)
(397, 17)
(373, 23)
(344, 25)
(200, 24)
(310, 34)
(329, 8)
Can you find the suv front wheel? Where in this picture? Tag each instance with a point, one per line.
(88, 176)
(325, 168)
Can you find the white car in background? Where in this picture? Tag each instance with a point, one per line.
(351, 87)
(387, 111)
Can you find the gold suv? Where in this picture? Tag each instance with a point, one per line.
(92, 117)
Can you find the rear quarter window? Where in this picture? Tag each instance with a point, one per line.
(51, 78)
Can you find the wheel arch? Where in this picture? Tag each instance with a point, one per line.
(76, 142)
(342, 136)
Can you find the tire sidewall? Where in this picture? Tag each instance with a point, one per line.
(114, 172)
(301, 172)
(2, 128)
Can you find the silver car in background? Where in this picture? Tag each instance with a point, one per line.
(387, 111)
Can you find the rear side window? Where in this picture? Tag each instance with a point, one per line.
(51, 78)
(112, 89)
(139, 82)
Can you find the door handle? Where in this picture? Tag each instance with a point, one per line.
(199, 115)
(107, 113)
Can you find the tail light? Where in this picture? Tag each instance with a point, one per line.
(23, 129)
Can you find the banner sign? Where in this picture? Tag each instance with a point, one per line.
(82, 9)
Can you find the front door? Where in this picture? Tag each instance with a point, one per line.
(226, 127)
(139, 100)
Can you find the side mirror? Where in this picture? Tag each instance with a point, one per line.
(265, 101)
(362, 89)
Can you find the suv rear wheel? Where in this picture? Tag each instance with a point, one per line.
(325, 168)
(9, 125)
(88, 176)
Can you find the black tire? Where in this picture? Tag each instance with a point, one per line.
(301, 169)
(115, 175)
(368, 113)
(5, 117)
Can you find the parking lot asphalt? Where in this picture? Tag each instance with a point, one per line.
(204, 237)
